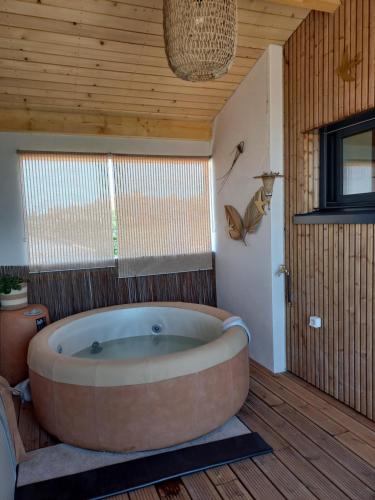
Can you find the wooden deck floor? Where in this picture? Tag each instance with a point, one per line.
(322, 449)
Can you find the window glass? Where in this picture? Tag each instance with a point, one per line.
(67, 211)
(163, 214)
(358, 163)
(347, 166)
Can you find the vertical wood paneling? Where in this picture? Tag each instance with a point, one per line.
(321, 305)
(351, 366)
(332, 266)
(340, 333)
(357, 318)
(345, 283)
(315, 334)
(371, 62)
(369, 321)
(287, 190)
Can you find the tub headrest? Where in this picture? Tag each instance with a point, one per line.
(236, 321)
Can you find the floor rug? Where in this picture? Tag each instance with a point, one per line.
(61, 471)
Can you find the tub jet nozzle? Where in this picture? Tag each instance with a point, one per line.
(96, 347)
(156, 329)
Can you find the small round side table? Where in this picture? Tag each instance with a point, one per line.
(17, 328)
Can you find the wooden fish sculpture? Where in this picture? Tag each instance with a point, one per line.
(346, 70)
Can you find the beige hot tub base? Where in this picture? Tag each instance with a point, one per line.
(142, 416)
(138, 403)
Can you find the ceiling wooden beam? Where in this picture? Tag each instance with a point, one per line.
(22, 120)
(322, 5)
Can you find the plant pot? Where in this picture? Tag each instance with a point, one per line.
(16, 299)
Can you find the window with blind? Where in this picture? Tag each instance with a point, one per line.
(163, 214)
(81, 210)
(67, 211)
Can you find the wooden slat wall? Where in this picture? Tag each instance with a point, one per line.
(332, 265)
(71, 292)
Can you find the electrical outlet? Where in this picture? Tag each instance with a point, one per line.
(315, 322)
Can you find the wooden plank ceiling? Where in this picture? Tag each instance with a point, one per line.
(107, 57)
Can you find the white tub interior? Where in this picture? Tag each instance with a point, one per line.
(131, 322)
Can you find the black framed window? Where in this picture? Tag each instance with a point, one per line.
(347, 172)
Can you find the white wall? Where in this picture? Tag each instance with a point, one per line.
(247, 281)
(12, 244)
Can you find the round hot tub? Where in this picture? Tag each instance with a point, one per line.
(139, 376)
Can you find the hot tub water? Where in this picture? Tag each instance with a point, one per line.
(140, 347)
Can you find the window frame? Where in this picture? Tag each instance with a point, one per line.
(331, 161)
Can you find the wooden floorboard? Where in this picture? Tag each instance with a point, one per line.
(322, 449)
(199, 486)
(333, 403)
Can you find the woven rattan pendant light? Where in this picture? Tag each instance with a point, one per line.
(200, 37)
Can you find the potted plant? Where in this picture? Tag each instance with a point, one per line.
(13, 292)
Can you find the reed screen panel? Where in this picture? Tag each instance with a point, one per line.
(67, 207)
(163, 214)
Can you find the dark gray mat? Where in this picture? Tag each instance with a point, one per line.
(61, 471)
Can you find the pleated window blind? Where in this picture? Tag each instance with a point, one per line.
(163, 214)
(68, 213)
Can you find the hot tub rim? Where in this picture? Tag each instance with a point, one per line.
(43, 360)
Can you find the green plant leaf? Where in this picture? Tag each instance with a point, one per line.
(9, 283)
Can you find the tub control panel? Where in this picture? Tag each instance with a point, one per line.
(41, 323)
